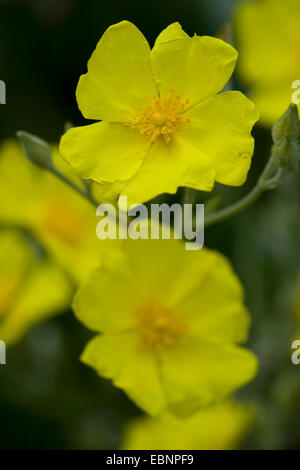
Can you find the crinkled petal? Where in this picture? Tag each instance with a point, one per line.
(107, 192)
(119, 75)
(168, 166)
(196, 68)
(221, 129)
(104, 152)
(118, 358)
(198, 373)
(212, 299)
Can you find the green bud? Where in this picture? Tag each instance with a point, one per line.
(295, 156)
(286, 153)
(36, 150)
(287, 125)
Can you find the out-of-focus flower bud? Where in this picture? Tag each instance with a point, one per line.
(36, 149)
(286, 137)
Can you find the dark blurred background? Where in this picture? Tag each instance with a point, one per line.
(47, 398)
(45, 44)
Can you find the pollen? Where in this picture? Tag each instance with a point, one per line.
(158, 325)
(161, 117)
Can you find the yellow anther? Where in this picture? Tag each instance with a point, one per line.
(161, 117)
(158, 325)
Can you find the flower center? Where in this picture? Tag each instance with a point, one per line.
(62, 222)
(161, 117)
(159, 326)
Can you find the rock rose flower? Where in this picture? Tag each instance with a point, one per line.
(170, 321)
(164, 122)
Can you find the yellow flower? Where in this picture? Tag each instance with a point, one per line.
(31, 288)
(164, 123)
(268, 38)
(170, 320)
(63, 221)
(219, 427)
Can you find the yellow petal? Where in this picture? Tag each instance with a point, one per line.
(273, 100)
(221, 129)
(199, 373)
(97, 305)
(219, 427)
(105, 152)
(107, 192)
(196, 68)
(221, 317)
(115, 357)
(119, 75)
(48, 293)
(168, 166)
(160, 258)
(35, 289)
(269, 52)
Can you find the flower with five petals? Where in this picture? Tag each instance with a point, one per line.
(164, 122)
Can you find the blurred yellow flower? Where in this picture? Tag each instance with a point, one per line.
(63, 221)
(164, 122)
(31, 288)
(219, 427)
(170, 320)
(268, 39)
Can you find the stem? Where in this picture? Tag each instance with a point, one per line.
(264, 183)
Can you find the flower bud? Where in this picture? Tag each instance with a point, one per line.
(36, 150)
(286, 153)
(287, 125)
(286, 137)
